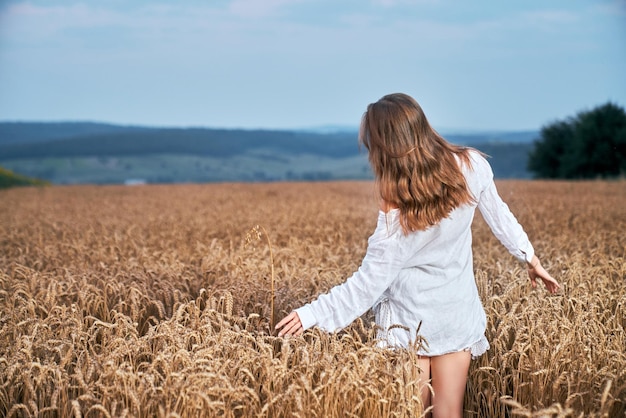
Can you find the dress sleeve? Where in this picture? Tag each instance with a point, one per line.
(349, 300)
(502, 222)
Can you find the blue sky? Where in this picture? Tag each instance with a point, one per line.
(473, 65)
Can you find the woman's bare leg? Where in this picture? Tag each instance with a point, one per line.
(449, 376)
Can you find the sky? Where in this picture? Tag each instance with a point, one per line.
(285, 64)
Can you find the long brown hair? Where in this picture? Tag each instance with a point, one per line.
(416, 169)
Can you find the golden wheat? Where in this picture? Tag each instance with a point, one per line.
(146, 301)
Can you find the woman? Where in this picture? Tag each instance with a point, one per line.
(418, 269)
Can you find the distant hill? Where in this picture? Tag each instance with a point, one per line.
(495, 137)
(29, 141)
(26, 132)
(455, 136)
(85, 152)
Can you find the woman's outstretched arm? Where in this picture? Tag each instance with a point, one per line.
(347, 301)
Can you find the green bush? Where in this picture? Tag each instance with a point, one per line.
(10, 179)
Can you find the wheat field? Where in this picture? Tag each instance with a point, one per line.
(156, 301)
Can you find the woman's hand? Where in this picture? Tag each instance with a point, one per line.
(536, 270)
(290, 325)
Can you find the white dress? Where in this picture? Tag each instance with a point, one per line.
(425, 277)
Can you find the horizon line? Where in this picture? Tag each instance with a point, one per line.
(322, 128)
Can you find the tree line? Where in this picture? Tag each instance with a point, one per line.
(591, 144)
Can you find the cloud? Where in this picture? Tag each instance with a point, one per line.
(612, 8)
(260, 8)
(78, 14)
(394, 3)
(235, 25)
(28, 24)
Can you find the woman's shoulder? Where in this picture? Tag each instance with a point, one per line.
(478, 173)
(476, 156)
(478, 164)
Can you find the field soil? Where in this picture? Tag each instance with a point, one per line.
(158, 300)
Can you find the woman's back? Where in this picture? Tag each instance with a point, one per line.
(435, 290)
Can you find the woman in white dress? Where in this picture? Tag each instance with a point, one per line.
(418, 268)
